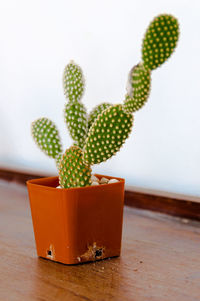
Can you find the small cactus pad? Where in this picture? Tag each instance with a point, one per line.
(138, 88)
(73, 172)
(46, 137)
(73, 82)
(76, 120)
(96, 111)
(159, 41)
(107, 134)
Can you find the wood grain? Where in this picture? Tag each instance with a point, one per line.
(17, 176)
(160, 260)
(169, 203)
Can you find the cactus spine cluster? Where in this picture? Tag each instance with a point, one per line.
(100, 135)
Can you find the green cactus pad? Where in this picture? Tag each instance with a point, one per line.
(46, 136)
(96, 111)
(73, 82)
(73, 172)
(107, 134)
(159, 41)
(76, 120)
(138, 88)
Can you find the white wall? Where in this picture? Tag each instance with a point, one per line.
(38, 38)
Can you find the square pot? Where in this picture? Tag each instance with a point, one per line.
(76, 225)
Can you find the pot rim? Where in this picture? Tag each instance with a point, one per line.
(36, 182)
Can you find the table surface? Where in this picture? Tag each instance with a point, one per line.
(160, 259)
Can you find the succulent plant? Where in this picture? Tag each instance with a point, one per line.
(96, 111)
(138, 88)
(73, 171)
(73, 82)
(107, 134)
(100, 135)
(47, 137)
(76, 120)
(159, 41)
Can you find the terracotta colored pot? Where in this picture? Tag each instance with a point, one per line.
(76, 224)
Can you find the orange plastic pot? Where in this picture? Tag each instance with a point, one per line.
(76, 225)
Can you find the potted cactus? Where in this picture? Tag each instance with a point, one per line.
(82, 221)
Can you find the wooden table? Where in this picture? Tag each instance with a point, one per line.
(160, 259)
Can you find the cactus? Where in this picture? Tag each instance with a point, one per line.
(76, 120)
(96, 111)
(159, 41)
(107, 134)
(73, 82)
(138, 88)
(46, 136)
(100, 135)
(73, 172)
